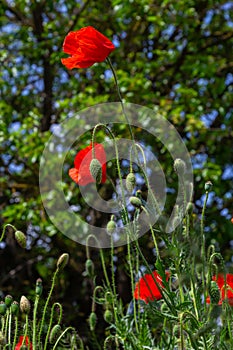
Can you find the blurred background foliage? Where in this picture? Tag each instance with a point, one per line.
(172, 56)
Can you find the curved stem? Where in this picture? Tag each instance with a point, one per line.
(46, 304)
(102, 259)
(62, 335)
(51, 320)
(4, 229)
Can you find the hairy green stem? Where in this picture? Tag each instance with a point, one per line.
(51, 321)
(4, 230)
(46, 304)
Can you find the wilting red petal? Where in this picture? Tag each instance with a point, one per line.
(86, 47)
(18, 346)
(146, 288)
(226, 293)
(81, 173)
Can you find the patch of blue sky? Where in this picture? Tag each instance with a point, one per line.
(16, 168)
(228, 172)
(14, 126)
(168, 31)
(209, 118)
(199, 160)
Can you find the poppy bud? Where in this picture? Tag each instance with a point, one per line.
(25, 305)
(130, 182)
(179, 166)
(111, 227)
(89, 268)
(135, 201)
(62, 261)
(20, 238)
(8, 300)
(92, 321)
(96, 170)
(214, 292)
(39, 286)
(15, 308)
(3, 308)
(108, 317)
(208, 186)
(54, 334)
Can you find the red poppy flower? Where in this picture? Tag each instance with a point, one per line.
(225, 293)
(18, 346)
(232, 220)
(146, 288)
(81, 171)
(86, 47)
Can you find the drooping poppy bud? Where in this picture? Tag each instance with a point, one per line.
(92, 321)
(96, 170)
(135, 201)
(89, 268)
(108, 316)
(20, 238)
(130, 182)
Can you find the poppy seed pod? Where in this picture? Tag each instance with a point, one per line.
(8, 300)
(208, 186)
(92, 321)
(15, 308)
(62, 261)
(20, 238)
(130, 182)
(135, 201)
(39, 286)
(3, 308)
(25, 305)
(179, 166)
(96, 170)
